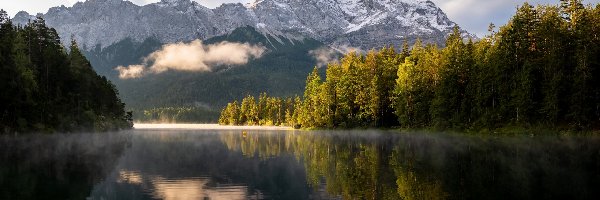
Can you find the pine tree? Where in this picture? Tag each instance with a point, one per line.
(307, 115)
(390, 60)
(450, 103)
(552, 60)
(45, 88)
(409, 89)
(249, 111)
(333, 74)
(540, 68)
(581, 111)
(9, 76)
(367, 98)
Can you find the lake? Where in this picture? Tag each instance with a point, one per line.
(189, 162)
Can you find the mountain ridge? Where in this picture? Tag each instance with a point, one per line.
(363, 24)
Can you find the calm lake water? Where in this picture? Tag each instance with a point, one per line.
(288, 164)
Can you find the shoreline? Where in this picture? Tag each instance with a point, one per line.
(507, 130)
(142, 126)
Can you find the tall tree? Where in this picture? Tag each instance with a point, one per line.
(46, 88)
(309, 106)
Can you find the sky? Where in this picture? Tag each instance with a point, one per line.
(472, 15)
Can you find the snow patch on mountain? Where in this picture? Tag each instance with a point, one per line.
(359, 23)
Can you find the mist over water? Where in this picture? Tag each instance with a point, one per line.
(289, 164)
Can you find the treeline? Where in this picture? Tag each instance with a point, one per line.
(267, 111)
(541, 69)
(177, 115)
(46, 87)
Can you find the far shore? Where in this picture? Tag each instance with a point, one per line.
(207, 127)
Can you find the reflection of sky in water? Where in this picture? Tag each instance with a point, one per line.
(182, 189)
(192, 188)
(195, 189)
(130, 177)
(167, 164)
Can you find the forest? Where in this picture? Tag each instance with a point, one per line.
(286, 62)
(176, 115)
(540, 69)
(47, 87)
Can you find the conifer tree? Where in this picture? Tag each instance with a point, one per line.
(310, 103)
(47, 88)
(542, 68)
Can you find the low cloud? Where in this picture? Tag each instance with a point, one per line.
(192, 57)
(133, 71)
(326, 55)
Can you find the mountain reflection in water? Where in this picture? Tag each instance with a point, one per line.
(289, 164)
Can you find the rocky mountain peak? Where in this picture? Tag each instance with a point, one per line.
(363, 24)
(176, 2)
(22, 17)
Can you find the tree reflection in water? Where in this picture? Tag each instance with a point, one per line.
(58, 166)
(363, 165)
(279, 164)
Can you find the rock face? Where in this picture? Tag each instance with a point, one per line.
(362, 24)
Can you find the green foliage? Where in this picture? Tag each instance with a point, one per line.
(535, 70)
(346, 168)
(312, 106)
(281, 71)
(451, 104)
(415, 86)
(268, 111)
(177, 115)
(420, 165)
(356, 92)
(542, 68)
(47, 88)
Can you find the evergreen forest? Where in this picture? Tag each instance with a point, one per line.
(540, 69)
(184, 97)
(46, 87)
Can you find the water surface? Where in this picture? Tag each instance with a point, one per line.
(238, 163)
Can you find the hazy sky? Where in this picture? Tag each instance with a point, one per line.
(472, 15)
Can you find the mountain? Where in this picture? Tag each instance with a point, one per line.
(281, 71)
(363, 24)
(117, 32)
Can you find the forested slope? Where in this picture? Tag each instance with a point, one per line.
(541, 69)
(47, 87)
(197, 97)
